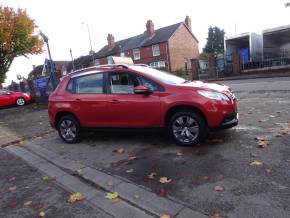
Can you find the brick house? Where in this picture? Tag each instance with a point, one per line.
(171, 47)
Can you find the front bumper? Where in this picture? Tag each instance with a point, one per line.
(230, 120)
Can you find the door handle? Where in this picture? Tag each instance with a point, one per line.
(114, 101)
(78, 99)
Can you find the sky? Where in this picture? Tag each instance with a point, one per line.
(62, 22)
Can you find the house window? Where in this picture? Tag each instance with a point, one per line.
(136, 54)
(155, 50)
(97, 62)
(109, 60)
(158, 64)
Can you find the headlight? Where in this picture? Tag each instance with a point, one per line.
(213, 95)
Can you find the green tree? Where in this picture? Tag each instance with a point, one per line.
(215, 40)
(17, 37)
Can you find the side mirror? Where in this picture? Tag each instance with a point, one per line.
(142, 90)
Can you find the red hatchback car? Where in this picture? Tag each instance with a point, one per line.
(140, 97)
(8, 98)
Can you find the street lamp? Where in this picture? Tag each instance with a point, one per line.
(52, 70)
(89, 36)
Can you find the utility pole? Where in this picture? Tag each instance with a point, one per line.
(72, 60)
(52, 70)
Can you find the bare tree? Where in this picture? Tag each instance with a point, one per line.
(287, 4)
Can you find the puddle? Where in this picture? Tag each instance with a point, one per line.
(245, 128)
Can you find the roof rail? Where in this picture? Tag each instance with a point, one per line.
(113, 65)
(142, 65)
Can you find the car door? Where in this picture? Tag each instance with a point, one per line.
(6, 98)
(127, 109)
(89, 99)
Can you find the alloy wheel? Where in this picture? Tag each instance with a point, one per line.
(68, 130)
(20, 101)
(185, 129)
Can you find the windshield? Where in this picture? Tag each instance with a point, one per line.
(159, 75)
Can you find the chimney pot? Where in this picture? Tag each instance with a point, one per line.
(188, 22)
(149, 28)
(111, 41)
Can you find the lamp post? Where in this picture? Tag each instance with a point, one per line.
(52, 70)
(89, 36)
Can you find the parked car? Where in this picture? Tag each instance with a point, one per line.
(8, 97)
(140, 97)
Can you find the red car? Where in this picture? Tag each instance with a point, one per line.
(140, 97)
(8, 97)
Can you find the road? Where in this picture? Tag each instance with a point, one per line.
(254, 180)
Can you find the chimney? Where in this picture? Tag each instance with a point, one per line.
(149, 28)
(111, 41)
(188, 22)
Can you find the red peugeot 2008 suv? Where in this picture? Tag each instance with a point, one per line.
(140, 97)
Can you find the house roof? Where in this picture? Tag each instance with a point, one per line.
(161, 35)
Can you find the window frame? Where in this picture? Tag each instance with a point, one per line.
(139, 52)
(153, 50)
(73, 81)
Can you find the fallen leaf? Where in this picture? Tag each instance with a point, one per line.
(256, 163)
(263, 144)
(119, 151)
(13, 188)
(27, 203)
(77, 162)
(132, 158)
(152, 175)
(78, 173)
(165, 216)
(161, 192)
(45, 178)
(164, 180)
(116, 200)
(203, 177)
(110, 183)
(272, 116)
(112, 195)
(268, 170)
(42, 214)
(130, 171)
(215, 215)
(218, 188)
(179, 153)
(75, 197)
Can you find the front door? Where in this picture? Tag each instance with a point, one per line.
(127, 109)
(6, 98)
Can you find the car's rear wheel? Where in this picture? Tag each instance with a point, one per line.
(187, 128)
(68, 129)
(20, 101)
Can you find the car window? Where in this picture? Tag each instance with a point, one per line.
(2, 92)
(150, 84)
(123, 83)
(89, 84)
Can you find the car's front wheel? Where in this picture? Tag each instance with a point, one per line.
(187, 128)
(20, 102)
(68, 129)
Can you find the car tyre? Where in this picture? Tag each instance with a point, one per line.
(69, 129)
(187, 128)
(20, 101)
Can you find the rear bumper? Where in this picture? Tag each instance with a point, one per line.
(230, 120)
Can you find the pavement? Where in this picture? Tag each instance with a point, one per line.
(228, 175)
